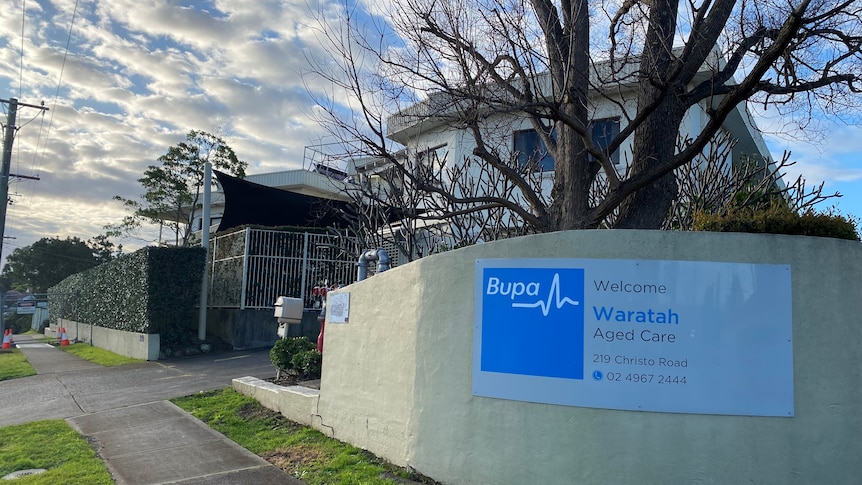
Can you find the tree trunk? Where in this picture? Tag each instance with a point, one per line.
(570, 72)
(570, 193)
(655, 139)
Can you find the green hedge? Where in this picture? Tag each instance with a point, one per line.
(779, 220)
(154, 290)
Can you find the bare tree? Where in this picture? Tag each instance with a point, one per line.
(394, 209)
(711, 186)
(471, 64)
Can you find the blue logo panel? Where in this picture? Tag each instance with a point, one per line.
(533, 321)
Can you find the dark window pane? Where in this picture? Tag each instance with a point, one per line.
(532, 152)
(603, 133)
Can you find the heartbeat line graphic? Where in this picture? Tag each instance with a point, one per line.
(553, 297)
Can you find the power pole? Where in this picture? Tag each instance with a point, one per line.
(4, 172)
(8, 139)
(4, 178)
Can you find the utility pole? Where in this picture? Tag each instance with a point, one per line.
(8, 138)
(4, 172)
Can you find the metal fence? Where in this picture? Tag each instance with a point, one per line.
(250, 268)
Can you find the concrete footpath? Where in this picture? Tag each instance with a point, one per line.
(155, 442)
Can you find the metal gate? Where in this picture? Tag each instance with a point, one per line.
(250, 268)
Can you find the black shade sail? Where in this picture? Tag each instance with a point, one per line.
(248, 203)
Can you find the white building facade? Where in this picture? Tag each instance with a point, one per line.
(429, 130)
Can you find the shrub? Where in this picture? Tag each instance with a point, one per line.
(308, 363)
(777, 219)
(284, 350)
(18, 323)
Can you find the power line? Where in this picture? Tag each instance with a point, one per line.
(44, 146)
(59, 81)
(21, 71)
(8, 139)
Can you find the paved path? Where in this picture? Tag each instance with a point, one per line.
(143, 438)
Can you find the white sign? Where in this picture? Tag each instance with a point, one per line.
(26, 307)
(668, 336)
(338, 307)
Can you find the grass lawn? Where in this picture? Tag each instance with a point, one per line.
(97, 355)
(13, 364)
(54, 446)
(299, 450)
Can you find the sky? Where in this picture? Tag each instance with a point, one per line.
(126, 79)
(136, 78)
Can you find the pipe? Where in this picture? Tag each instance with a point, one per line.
(379, 255)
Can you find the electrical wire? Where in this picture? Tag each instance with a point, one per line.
(59, 82)
(40, 153)
(38, 141)
(44, 147)
(21, 71)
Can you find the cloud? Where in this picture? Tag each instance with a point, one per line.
(835, 158)
(137, 77)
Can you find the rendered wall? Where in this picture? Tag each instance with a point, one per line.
(397, 377)
(131, 344)
(369, 366)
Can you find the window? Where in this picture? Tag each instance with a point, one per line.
(603, 133)
(432, 155)
(197, 225)
(532, 153)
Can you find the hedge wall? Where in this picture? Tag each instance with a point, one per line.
(153, 290)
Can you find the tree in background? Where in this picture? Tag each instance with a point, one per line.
(172, 190)
(552, 63)
(103, 248)
(49, 261)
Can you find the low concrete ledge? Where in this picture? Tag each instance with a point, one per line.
(130, 344)
(296, 403)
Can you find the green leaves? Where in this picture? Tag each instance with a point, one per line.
(778, 219)
(47, 262)
(172, 189)
(153, 290)
(284, 350)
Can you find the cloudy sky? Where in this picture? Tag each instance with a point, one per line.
(139, 74)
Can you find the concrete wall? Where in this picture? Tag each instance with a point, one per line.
(369, 365)
(298, 402)
(397, 377)
(255, 329)
(131, 344)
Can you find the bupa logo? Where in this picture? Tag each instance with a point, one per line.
(533, 321)
(516, 289)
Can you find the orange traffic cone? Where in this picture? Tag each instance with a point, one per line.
(64, 338)
(7, 344)
(12, 336)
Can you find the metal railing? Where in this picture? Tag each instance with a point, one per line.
(250, 268)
